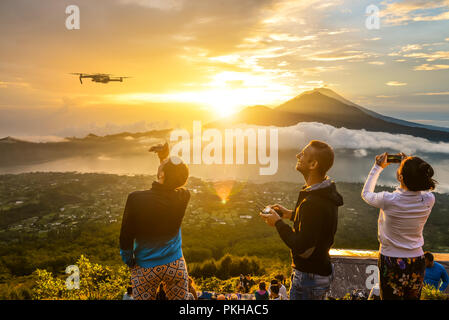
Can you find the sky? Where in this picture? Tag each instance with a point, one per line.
(203, 59)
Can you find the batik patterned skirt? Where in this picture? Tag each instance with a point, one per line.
(173, 276)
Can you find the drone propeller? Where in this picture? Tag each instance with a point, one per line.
(121, 78)
(80, 76)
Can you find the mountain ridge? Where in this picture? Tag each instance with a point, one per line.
(333, 94)
(325, 106)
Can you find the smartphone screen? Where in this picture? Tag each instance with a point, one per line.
(394, 158)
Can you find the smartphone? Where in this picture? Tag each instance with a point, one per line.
(267, 209)
(263, 209)
(394, 158)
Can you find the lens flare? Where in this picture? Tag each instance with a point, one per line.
(223, 190)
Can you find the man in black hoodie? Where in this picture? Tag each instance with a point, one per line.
(314, 224)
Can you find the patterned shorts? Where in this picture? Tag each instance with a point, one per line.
(173, 276)
(401, 278)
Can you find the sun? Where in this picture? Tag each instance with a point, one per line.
(222, 102)
(231, 91)
(225, 94)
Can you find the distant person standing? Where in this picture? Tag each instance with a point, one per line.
(262, 293)
(282, 288)
(274, 289)
(247, 283)
(436, 274)
(242, 282)
(403, 214)
(150, 236)
(314, 223)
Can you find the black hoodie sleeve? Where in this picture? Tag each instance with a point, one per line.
(309, 229)
(127, 234)
(183, 196)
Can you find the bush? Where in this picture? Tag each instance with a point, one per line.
(427, 293)
(430, 293)
(227, 267)
(197, 254)
(97, 282)
(12, 292)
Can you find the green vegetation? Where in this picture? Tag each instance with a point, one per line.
(97, 282)
(430, 293)
(227, 267)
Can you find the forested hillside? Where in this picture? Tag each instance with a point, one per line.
(48, 220)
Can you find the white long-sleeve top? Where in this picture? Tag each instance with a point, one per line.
(402, 217)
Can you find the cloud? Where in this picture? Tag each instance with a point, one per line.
(433, 94)
(339, 55)
(8, 84)
(300, 134)
(360, 141)
(431, 56)
(374, 39)
(395, 83)
(156, 4)
(400, 13)
(40, 138)
(320, 69)
(68, 120)
(290, 38)
(385, 96)
(427, 67)
(377, 63)
(360, 153)
(411, 47)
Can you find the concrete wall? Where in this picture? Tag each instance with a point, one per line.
(353, 272)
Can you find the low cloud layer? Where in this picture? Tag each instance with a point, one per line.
(297, 136)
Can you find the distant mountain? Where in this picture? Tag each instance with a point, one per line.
(334, 95)
(18, 152)
(9, 140)
(325, 106)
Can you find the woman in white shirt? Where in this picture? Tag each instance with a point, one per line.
(403, 214)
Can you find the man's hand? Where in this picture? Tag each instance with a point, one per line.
(270, 218)
(286, 213)
(162, 151)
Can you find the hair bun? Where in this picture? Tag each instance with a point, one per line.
(426, 169)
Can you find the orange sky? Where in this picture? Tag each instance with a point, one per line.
(202, 59)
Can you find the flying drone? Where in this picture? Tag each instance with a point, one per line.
(99, 77)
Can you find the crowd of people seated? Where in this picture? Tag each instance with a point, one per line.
(436, 276)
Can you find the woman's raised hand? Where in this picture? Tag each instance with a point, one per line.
(381, 160)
